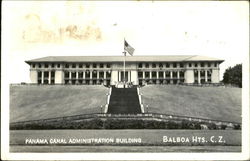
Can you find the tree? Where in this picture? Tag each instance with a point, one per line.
(233, 75)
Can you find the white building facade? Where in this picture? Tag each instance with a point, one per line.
(139, 70)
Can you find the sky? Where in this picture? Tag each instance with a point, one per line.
(34, 29)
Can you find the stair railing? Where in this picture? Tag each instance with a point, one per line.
(108, 100)
(140, 99)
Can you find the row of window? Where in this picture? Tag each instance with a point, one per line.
(174, 65)
(155, 81)
(161, 74)
(73, 65)
(87, 74)
(87, 82)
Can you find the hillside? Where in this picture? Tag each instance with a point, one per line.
(39, 102)
(206, 102)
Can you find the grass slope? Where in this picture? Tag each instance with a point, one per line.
(206, 102)
(40, 102)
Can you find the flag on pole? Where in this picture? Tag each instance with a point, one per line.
(128, 48)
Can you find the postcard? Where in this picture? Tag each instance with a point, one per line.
(126, 80)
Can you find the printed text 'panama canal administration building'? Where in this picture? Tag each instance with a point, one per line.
(139, 70)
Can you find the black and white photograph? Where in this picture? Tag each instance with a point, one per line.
(125, 80)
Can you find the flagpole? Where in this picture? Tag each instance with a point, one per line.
(124, 66)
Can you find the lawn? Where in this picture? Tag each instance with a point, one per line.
(207, 102)
(40, 102)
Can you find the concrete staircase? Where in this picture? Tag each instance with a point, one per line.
(124, 101)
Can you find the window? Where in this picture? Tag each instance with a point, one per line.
(215, 64)
(167, 74)
(58, 65)
(46, 65)
(66, 74)
(147, 74)
(196, 65)
(46, 74)
(181, 74)
(101, 75)
(73, 74)
(140, 74)
(80, 74)
(101, 65)
(208, 64)
(202, 64)
(87, 75)
(66, 65)
(147, 65)
(154, 65)
(33, 65)
(175, 65)
(167, 65)
(174, 74)
(94, 65)
(160, 74)
(39, 74)
(140, 65)
(94, 74)
(73, 65)
(52, 74)
(181, 65)
(87, 65)
(39, 65)
(52, 65)
(190, 64)
(154, 74)
(108, 74)
(80, 65)
(160, 65)
(108, 65)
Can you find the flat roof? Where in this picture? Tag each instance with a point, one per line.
(141, 58)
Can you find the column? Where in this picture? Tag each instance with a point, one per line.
(49, 77)
(83, 77)
(150, 74)
(91, 81)
(90, 73)
(199, 76)
(70, 73)
(77, 77)
(42, 77)
(178, 76)
(206, 76)
(77, 73)
(143, 74)
(164, 77)
(98, 81)
(171, 77)
(104, 74)
(157, 77)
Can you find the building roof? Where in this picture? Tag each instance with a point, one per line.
(156, 58)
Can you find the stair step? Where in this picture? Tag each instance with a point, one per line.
(124, 101)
